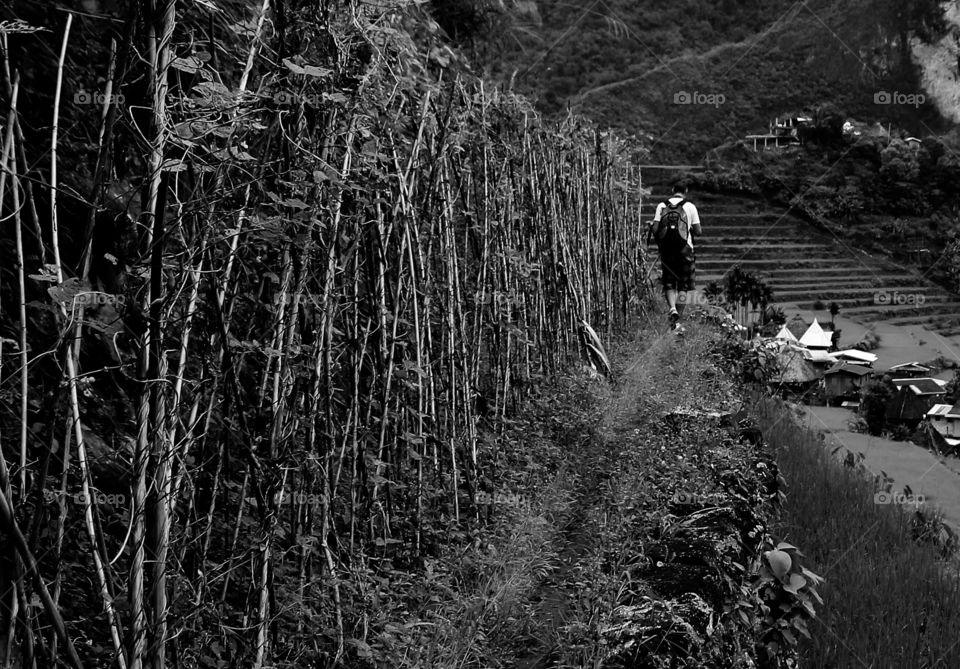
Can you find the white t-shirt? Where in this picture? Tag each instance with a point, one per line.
(693, 216)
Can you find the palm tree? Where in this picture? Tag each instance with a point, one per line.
(737, 290)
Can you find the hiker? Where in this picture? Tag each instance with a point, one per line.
(675, 224)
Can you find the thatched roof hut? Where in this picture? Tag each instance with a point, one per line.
(794, 367)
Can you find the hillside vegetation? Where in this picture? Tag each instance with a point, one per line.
(740, 63)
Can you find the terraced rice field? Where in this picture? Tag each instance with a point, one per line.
(803, 264)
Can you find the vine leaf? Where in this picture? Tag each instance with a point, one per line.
(309, 70)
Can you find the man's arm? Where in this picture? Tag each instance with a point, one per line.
(652, 224)
(695, 228)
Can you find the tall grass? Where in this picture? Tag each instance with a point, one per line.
(888, 602)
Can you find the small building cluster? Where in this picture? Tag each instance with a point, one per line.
(812, 372)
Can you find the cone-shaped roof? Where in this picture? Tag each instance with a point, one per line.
(786, 335)
(815, 337)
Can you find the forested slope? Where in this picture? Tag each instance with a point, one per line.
(623, 63)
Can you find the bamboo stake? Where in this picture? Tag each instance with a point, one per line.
(22, 156)
(71, 368)
(20, 543)
(24, 360)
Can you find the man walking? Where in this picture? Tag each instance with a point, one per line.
(675, 224)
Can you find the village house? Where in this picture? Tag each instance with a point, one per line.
(944, 422)
(914, 398)
(798, 377)
(909, 369)
(857, 356)
(820, 359)
(945, 418)
(844, 381)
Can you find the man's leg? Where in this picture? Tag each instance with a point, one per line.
(686, 269)
(669, 280)
(671, 295)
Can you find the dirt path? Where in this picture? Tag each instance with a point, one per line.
(654, 374)
(595, 463)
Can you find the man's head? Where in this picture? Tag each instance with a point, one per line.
(680, 186)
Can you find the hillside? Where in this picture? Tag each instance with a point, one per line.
(741, 64)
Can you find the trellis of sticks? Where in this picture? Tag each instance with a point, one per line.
(335, 311)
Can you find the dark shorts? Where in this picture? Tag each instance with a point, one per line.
(678, 271)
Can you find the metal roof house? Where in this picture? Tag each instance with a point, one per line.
(922, 386)
(914, 398)
(945, 419)
(909, 369)
(845, 380)
(857, 356)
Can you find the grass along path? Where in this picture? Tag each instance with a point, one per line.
(889, 602)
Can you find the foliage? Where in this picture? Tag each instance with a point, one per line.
(873, 405)
(740, 289)
(868, 342)
(952, 389)
(787, 591)
(928, 527)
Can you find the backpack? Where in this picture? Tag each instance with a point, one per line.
(672, 230)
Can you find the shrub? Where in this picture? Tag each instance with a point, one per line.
(873, 406)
